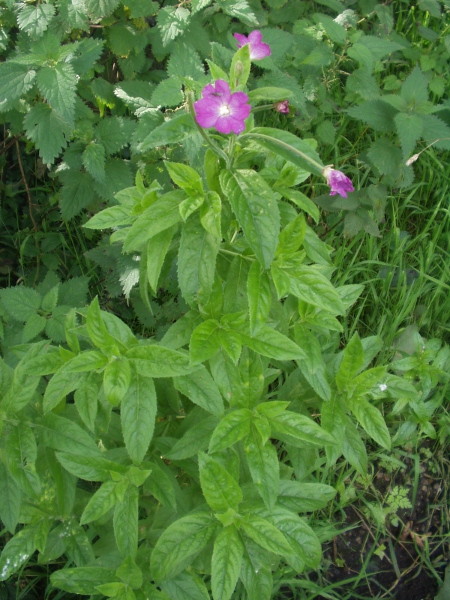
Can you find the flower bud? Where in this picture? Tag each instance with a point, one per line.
(238, 69)
(282, 107)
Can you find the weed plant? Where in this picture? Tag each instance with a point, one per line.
(217, 380)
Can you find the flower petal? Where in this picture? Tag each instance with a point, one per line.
(241, 40)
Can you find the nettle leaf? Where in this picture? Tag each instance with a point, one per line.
(115, 133)
(76, 193)
(180, 543)
(256, 210)
(20, 302)
(168, 93)
(98, 9)
(415, 87)
(73, 12)
(118, 176)
(376, 113)
(57, 85)
(172, 22)
(142, 8)
(409, 130)
(46, 128)
(197, 5)
(239, 9)
(34, 20)
(94, 161)
(15, 80)
(185, 62)
(226, 563)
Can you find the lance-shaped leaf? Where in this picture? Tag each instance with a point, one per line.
(289, 146)
(226, 563)
(185, 586)
(302, 428)
(259, 297)
(100, 503)
(264, 468)
(220, 489)
(116, 380)
(196, 438)
(272, 343)
(82, 580)
(204, 341)
(154, 360)
(17, 551)
(180, 543)
(65, 435)
(138, 412)
(201, 389)
(232, 428)
(126, 522)
(158, 217)
(351, 363)
(265, 534)
(256, 210)
(371, 420)
(91, 468)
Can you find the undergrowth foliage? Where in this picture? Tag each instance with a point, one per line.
(178, 465)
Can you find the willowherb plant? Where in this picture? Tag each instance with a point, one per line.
(161, 476)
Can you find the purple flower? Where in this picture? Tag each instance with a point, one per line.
(258, 49)
(338, 182)
(221, 109)
(282, 107)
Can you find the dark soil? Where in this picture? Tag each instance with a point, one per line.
(400, 573)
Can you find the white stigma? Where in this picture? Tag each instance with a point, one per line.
(224, 110)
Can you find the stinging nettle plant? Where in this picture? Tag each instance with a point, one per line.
(154, 465)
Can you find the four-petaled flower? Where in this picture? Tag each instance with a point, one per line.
(282, 107)
(222, 109)
(258, 49)
(339, 183)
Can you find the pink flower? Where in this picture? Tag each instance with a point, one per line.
(339, 183)
(282, 107)
(258, 49)
(221, 109)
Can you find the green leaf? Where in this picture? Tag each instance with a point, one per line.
(272, 343)
(185, 586)
(82, 580)
(232, 428)
(172, 22)
(352, 361)
(20, 302)
(23, 386)
(185, 62)
(256, 576)
(161, 486)
(259, 297)
(15, 80)
(168, 93)
(302, 428)
(92, 467)
(62, 434)
(138, 412)
(204, 341)
(313, 366)
(304, 497)
(157, 361)
(300, 200)
(180, 542)
(336, 32)
(202, 390)
(35, 19)
(46, 128)
(16, 552)
(239, 9)
(33, 327)
(185, 177)
(170, 132)
(353, 448)
(57, 85)
(287, 145)
(226, 563)
(372, 421)
(10, 500)
(305, 546)
(220, 489)
(76, 193)
(100, 502)
(240, 67)
(196, 261)
(376, 113)
(196, 438)
(114, 133)
(265, 534)
(161, 215)
(156, 253)
(116, 380)
(257, 212)
(415, 87)
(126, 522)
(409, 130)
(264, 468)
(270, 94)
(94, 162)
(61, 384)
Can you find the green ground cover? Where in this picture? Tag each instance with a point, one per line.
(217, 380)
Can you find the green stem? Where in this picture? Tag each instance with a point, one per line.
(273, 140)
(202, 132)
(262, 107)
(231, 151)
